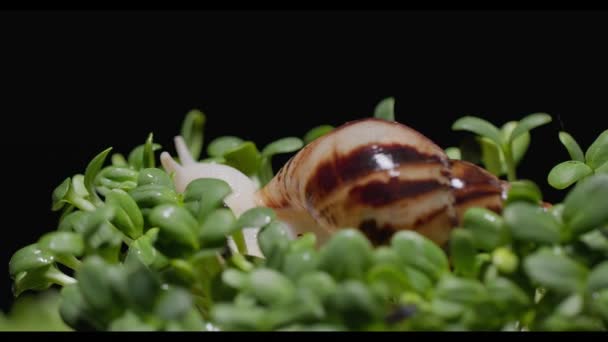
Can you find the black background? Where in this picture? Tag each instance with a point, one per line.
(75, 83)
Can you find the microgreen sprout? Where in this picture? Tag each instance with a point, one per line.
(595, 160)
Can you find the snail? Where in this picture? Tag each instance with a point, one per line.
(375, 175)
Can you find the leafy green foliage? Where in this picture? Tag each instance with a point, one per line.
(132, 254)
(502, 148)
(595, 160)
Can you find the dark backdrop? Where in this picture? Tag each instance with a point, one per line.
(76, 83)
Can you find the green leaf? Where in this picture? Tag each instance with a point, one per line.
(567, 173)
(154, 176)
(320, 283)
(480, 127)
(598, 279)
(245, 158)
(528, 123)
(284, 145)
(34, 279)
(58, 243)
(119, 160)
(235, 278)
(596, 241)
(597, 153)
(560, 323)
(143, 247)
(519, 145)
(60, 193)
(355, 304)
(270, 287)
(204, 195)
(298, 263)
(174, 304)
(129, 321)
(75, 311)
(127, 216)
(600, 304)
(574, 150)
(256, 217)
(144, 286)
(585, 205)
(487, 228)
(491, 156)
(91, 172)
(136, 156)
(346, 242)
(390, 277)
(274, 242)
(317, 132)
(113, 177)
(419, 281)
(505, 260)
(230, 317)
(571, 306)
(384, 255)
(507, 294)
(462, 251)
(37, 312)
(460, 290)
(524, 190)
(305, 242)
(152, 195)
(177, 230)
(96, 287)
(89, 223)
(420, 253)
(218, 225)
(529, 222)
(555, 271)
(192, 131)
(28, 258)
(219, 146)
(385, 109)
(453, 153)
(602, 168)
(148, 156)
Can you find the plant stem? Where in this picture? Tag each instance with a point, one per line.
(59, 278)
(83, 204)
(69, 261)
(511, 173)
(239, 241)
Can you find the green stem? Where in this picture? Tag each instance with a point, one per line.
(59, 278)
(239, 241)
(239, 261)
(511, 173)
(82, 204)
(69, 261)
(266, 173)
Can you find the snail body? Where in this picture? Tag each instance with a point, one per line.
(374, 175)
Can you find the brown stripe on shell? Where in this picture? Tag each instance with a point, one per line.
(378, 194)
(377, 235)
(421, 221)
(476, 183)
(475, 194)
(360, 162)
(381, 235)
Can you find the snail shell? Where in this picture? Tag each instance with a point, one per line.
(380, 177)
